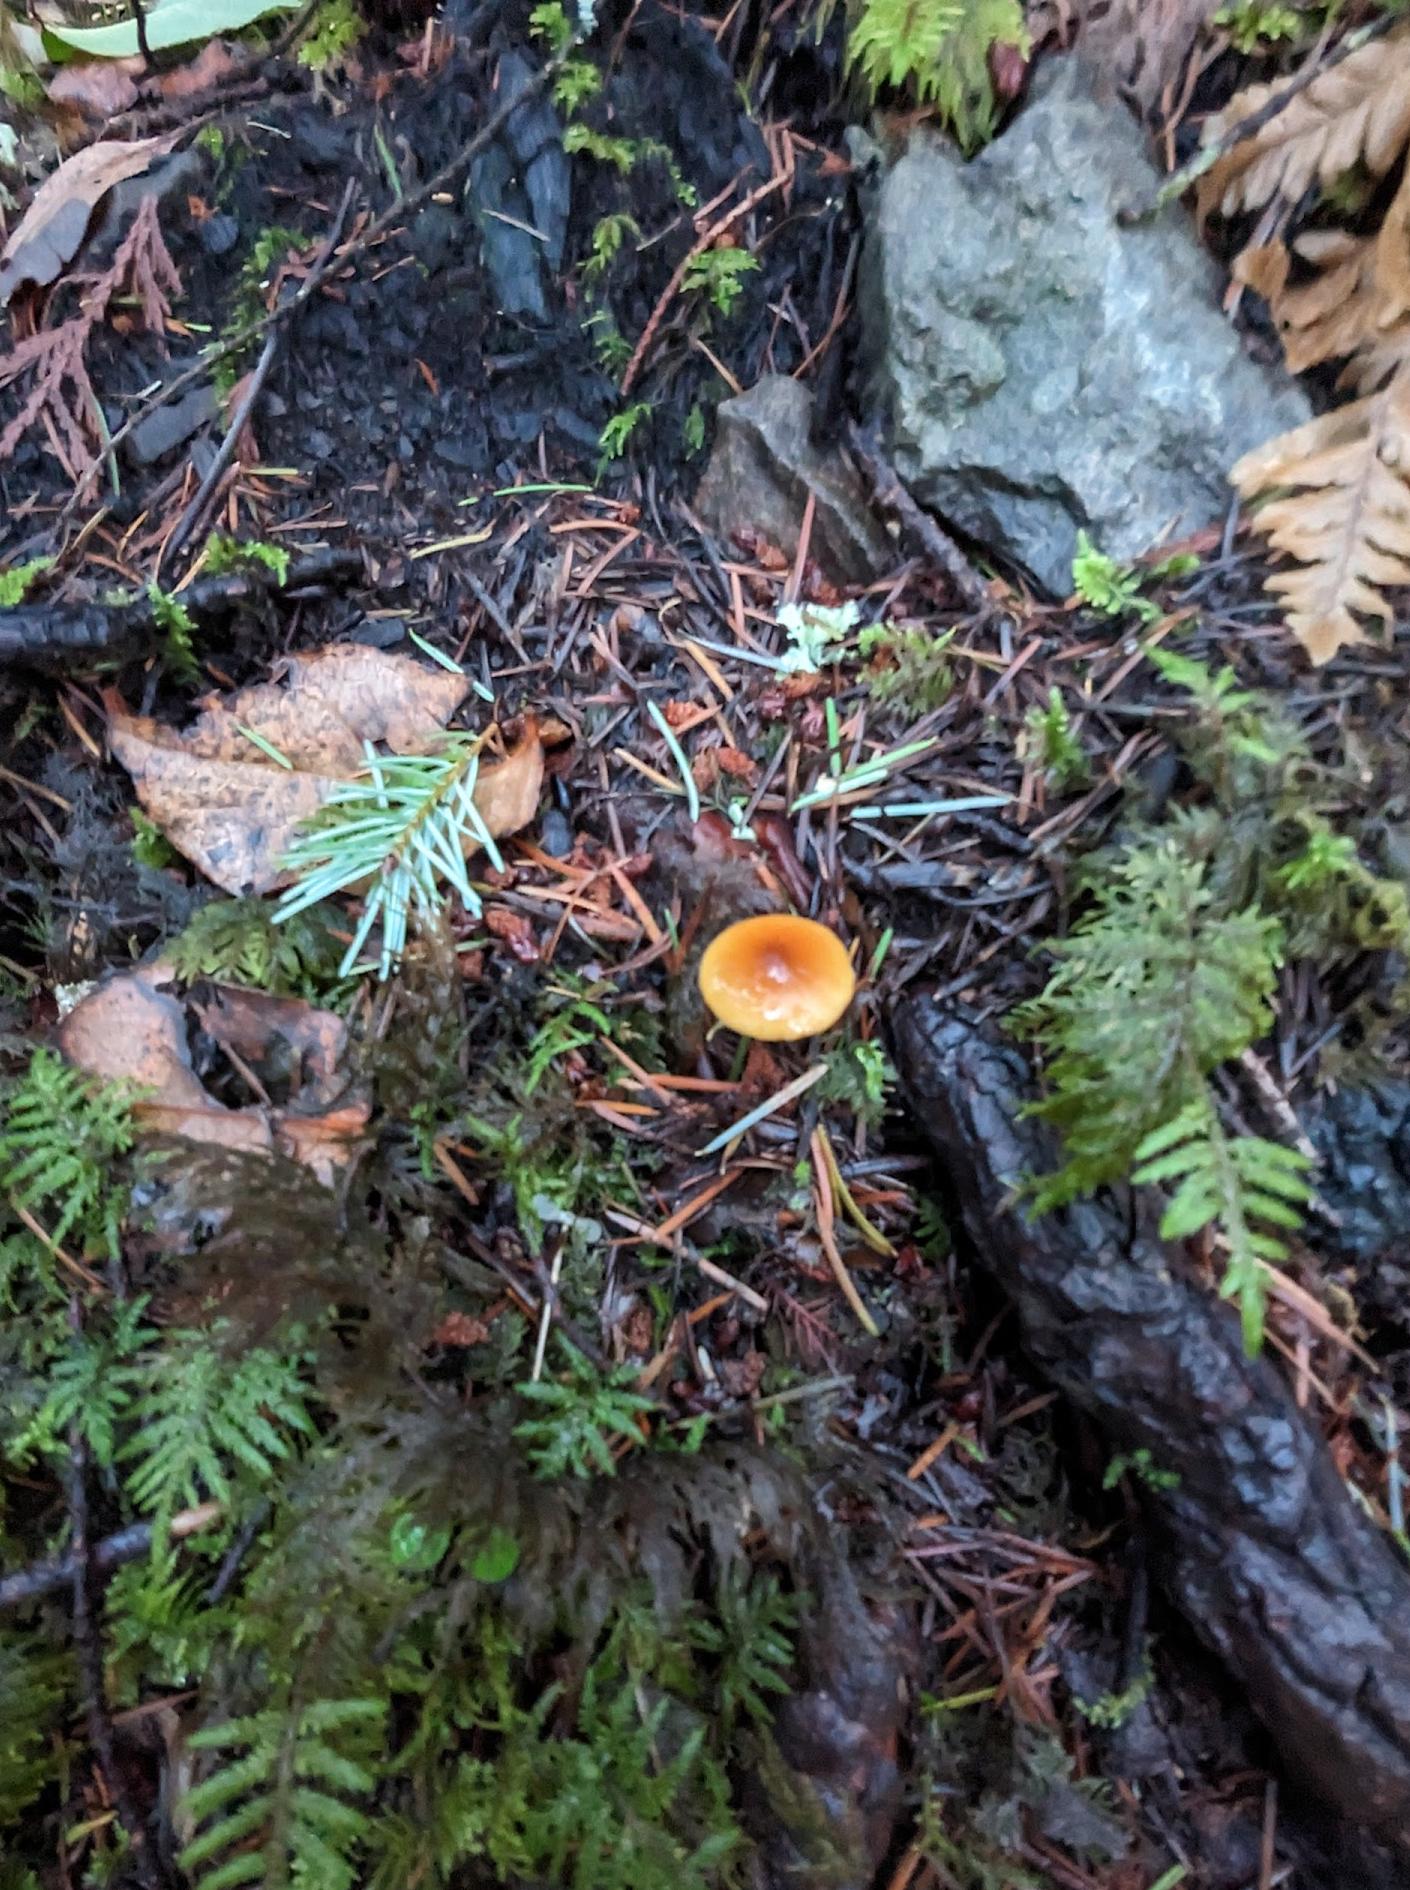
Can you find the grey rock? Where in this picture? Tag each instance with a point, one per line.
(1039, 367)
(170, 426)
(762, 469)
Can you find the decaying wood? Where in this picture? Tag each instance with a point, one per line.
(1297, 1592)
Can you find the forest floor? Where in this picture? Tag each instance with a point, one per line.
(505, 1306)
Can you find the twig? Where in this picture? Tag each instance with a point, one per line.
(704, 241)
(316, 277)
(58, 636)
(126, 1545)
(139, 14)
(1209, 155)
(218, 467)
(88, 1648)
(889, 492)
(546, 1312)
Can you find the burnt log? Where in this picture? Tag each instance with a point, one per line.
(1297, 1592)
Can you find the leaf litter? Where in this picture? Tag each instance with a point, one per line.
(233, 791)
(134, 1029)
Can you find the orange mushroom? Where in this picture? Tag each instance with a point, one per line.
(777, 977)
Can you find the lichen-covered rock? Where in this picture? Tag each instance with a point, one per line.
(1039, 366)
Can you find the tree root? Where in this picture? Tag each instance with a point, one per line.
(1298, 1593)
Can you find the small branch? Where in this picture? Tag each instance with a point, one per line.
(890, 493)
(62, 636)
(126, 1545)
(220, 465)
(139, 14)
(709, 236)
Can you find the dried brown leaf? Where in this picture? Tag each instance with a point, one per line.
(133, 1028)
(233, 811)
(1342, 513)
(99, 88)
(1356, 112)
(50, 232)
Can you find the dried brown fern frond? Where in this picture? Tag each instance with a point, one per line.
(1337, 499)
(1344, 310)
(61, 398)
(1356, 112)
(1342, 510)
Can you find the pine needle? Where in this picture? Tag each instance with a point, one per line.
(399, 829)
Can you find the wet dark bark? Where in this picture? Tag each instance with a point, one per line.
(1296, 1591)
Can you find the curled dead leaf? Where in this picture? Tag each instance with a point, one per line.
(232, 808)
(51, 231)
(133, 1028)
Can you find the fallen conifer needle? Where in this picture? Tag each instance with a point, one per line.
(789, 1093)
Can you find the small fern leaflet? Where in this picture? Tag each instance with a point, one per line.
(1240, 1184)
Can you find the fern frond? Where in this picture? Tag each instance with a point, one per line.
(941, 49)
(32, 1689)
(60, 1137)
(282, 1807)
(1242, 1185)
(579, 1417)
(400, 827)
(1338, 505)
(754, 1638)
(1356, 112)
(1154, 988)
(239, 940)
(893, 41)
(203, 1418)
(89, 1388)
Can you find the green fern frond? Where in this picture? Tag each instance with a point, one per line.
(907, 666)
(238, 940)
(580, 1415)
(60, 1138)
(940, 49)
(753, 1635)
(1153, 989)
(88, 1389)
(1054, 745)
(283, 1808)
(174, 621)
(401, 826)
(203, 1418)
(573, 1022)
(32, 1691)
(1240, 1184)
(895, 41)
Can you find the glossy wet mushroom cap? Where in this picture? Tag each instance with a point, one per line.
(777, 977)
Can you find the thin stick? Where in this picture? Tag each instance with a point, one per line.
(88, 1649)
(126, 1545)
(218, 467)
(546, 1313)
(698, 248)
(822, 1201)
(892, 494)
(1209, 155)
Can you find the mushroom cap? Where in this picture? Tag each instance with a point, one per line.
(777, 977)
